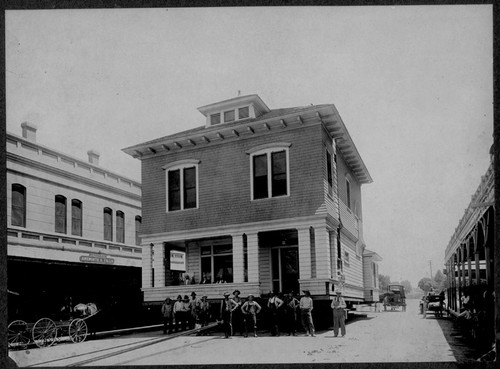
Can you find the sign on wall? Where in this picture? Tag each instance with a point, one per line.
(97, 259)
(177, 260)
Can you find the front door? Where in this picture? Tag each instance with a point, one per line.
(285, 269)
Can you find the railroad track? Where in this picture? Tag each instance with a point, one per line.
(102, 354)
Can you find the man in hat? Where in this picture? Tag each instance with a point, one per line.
(227, 307)
(167, 311)
(250, 309)
(178, 313)
(204, 312)
(338, 306)
(237, 318)
(194, 306)
(306, 306)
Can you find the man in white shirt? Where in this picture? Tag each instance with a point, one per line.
(338, 306)
(306, 306)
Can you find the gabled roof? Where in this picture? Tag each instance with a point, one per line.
(372, 254)
(327, 114)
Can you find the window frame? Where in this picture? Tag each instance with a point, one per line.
(107, 210)
(348, 193)
(18, 188)
(120, 228)
(268, 150)
(138, 220)
(181, 165)
(64, 229)
(74, 219)
(212, 257)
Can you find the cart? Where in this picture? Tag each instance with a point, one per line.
(45, 331)
(394, 298)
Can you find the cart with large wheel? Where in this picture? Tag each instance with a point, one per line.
(394, 298)
(45, 331)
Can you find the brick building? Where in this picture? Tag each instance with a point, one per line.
(72, 230)
(258, 200)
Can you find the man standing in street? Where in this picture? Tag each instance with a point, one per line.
(227, 307)
(306, 306)
(250, 309)
(338, 306)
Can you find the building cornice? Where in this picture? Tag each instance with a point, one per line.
(327, 115)
(70, 176)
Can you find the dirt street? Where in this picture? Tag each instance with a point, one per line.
(392, 336)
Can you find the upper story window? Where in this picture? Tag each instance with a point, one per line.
(229, 116)
(214, 118)
(244, 112)
(269, 165)
(120, 226)
(348, 192)
(108, 224)
(60, 214)
(76, 217)
(18, 210)
(329, 172)
(138, 223)
(182, 185)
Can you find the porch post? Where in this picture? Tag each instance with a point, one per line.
(253, 257)
(322, 245)
(146, 266)
(238, 272)
(159, 265)
(304, 253)
(463, 266)
(488, 265)
(478, 270)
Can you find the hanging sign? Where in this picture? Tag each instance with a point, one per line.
(177, 260)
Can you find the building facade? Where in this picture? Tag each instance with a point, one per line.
(72, 230)
(469, 256)
(257, 200)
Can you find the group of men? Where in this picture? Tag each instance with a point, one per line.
(241, 315)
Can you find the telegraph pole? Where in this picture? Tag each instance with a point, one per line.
(430, 265)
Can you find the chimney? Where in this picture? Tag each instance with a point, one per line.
(93, 157)
(29, 131)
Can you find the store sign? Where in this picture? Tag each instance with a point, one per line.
(177, 260)
(97, 259)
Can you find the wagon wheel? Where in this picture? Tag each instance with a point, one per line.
(78, 330)
(18, 336)
(44, 332)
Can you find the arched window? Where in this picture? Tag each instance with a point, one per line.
(76, 217)
(120, 226)
(18, 213)
(138, 223)
(182, 184)
(60, 214)
(108, 224)
(270, 170)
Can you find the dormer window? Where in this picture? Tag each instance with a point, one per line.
(215, 118)
(244, 112)
(229, 116)
(238, 108)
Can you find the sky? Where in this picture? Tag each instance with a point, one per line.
(413, 85)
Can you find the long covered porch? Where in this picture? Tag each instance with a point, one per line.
(253, 258)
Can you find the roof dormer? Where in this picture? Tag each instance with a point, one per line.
(238, 108)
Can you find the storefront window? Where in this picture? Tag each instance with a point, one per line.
(217, 263)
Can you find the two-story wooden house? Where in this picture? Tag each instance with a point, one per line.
(257, 199)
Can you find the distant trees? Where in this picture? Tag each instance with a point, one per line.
(438, 283)
(383, 282)
(407, 285)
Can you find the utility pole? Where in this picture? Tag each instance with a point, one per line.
(430, 265)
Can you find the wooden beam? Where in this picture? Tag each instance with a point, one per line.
(192, 142)
(266, 126)
(165, 147)
(178, 145)
(235, 132)
(138, 153)
(205, 139)
(152, 150)
(220, 135)
(283, 124)
(250, 129)
(299, 119)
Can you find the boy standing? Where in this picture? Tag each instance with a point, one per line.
(306, 306)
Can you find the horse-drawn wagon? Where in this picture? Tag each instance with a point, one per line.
(46, 331)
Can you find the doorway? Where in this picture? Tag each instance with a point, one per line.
(285, 269)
